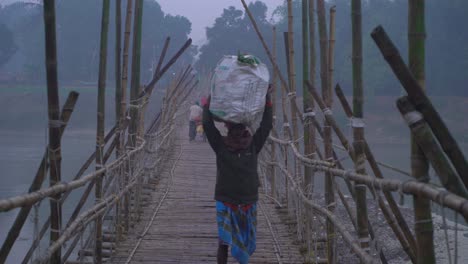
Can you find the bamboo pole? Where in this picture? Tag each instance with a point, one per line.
(421, 101)
(135, 79)
(419, 163)
(358, 122)
(100, 123)
(118, 74)
(310, 114)
(135, 100)
(274, 83)
(331, 53)
(287, 126)
(54, 152)
(118, 99)
(329, 189)
(292, 82)
(128, 24)
(162, 56)
(408, 236)
(41, 172)
(423, 137)
(308, 173)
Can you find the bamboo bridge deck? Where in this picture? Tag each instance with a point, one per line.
(180, 216)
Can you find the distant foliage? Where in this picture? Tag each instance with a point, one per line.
(232, 33)
(78, 39)
(446, 50)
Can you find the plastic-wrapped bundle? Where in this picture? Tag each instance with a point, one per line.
(238, 89)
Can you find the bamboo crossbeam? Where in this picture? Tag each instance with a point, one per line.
(432, 151)
(363, 256)
(22, 215)
(163, 55)
(383, 206)
(150, 86)
(441, 197)
(31, 198)
(300, 156)
(421, 101)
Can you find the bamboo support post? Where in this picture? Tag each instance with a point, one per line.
(358, 122)
(41, 172)
(100, 123)
(292, 95)
(126, 47)
(309, 115)
(135, 89)
(119, 114)
(274, 92)
(54, 152)
(419, 164)
(408, 242)
(423, 136)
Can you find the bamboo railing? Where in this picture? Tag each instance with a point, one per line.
(105, 219)
(285, 186)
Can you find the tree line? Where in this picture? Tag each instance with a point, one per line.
(22, 51)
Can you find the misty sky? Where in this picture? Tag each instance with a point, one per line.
(202, 13)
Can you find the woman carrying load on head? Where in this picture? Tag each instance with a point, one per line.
(237, 182)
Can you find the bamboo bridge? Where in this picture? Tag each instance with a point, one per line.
(153, 189)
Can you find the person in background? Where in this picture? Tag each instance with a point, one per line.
(237, 182)
(194, 117)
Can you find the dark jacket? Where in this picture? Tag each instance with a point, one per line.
(237, 179)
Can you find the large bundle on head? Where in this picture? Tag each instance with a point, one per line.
(238, 89)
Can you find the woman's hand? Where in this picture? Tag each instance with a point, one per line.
(206, 101)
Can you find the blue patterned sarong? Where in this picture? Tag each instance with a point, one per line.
(237, 228)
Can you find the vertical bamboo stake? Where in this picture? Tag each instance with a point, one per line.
(292, 82)
(54, 152)
(135, 104)
(286, 127)
(118, 75)
(273, 145)
(305, 95)
(128, 23)
(100, 122)
(358, 123)
(309, 120)
(310, 114)
(329, 188)
(331, 53)
(294, 113)
(118, 100)
(419, 164)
